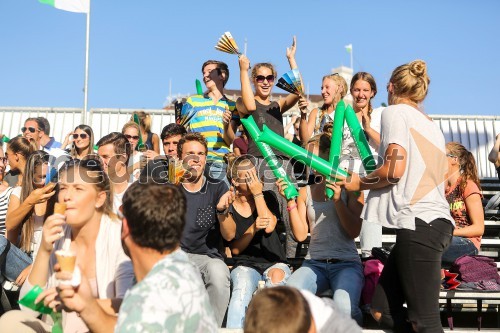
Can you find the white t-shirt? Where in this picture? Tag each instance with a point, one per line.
(117, 199)
(420, 191)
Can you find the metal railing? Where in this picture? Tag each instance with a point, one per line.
(476, 133)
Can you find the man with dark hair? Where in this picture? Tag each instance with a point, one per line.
(169, 295)
(46, 141)
(214, 116)
(32, 130)
(170, 136)
(207, 221)
(115, 151)
(157, 169)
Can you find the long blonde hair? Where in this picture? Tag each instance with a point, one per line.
(342, 84)
(144, 120)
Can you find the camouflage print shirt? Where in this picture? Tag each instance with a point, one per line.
(171, 298)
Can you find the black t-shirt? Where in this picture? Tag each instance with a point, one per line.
(271, 116)
(498, 172)
(264, 249)
(201, 233)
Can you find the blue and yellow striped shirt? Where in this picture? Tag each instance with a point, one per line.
(200, 114)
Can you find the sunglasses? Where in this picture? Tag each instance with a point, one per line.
(4, 160)
(133, 137)
(81, 135)
(31, 129)
(261, 78)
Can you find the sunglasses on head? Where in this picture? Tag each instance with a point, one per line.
(31, 129)
(261, 78)
(81, 135)
(133, 137)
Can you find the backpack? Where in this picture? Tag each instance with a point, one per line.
(475, 268)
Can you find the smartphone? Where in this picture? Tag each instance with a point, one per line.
(51, 173)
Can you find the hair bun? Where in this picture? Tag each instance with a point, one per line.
(418, 68)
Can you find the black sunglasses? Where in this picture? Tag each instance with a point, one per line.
(261, 78)
(31, 129)
(135, 137)
(81, 135)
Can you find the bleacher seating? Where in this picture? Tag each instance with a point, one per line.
(455, 300)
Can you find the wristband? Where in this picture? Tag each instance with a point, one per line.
(291, 207)
(258, 195)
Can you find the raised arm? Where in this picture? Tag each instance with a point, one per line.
(52, 230)
(246, 103)
(67, 140)
(389, 173)
(306, 127)
(292, 99)
(226, 222)
(297, 212)
(230, 127)
(372, 134)
(17, 210)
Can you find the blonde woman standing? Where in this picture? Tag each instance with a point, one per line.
(407, 194)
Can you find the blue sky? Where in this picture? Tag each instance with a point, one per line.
(138, 46)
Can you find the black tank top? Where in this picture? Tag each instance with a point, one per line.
(149, 141)
(272, 117)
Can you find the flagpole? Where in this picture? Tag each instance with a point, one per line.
(86, 82)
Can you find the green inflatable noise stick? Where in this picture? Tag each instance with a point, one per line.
(29, 301)
(140, 144)
(360, 139)
(336, 146)
(298, 153)
(199, 89)
(5, 138)
(272, 161)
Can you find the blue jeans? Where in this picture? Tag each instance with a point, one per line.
(15, 260)
(245, 281)
(215, 276)
(344, 278)
(459, 246)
